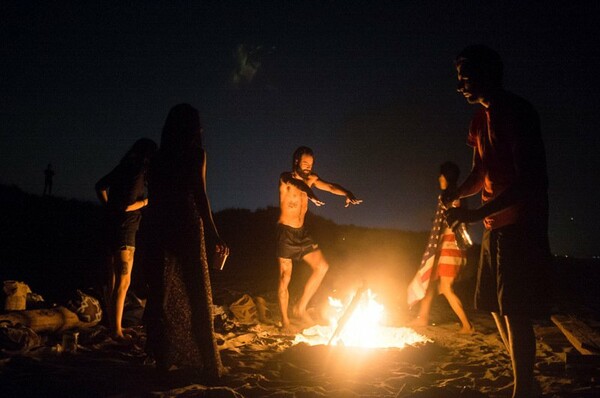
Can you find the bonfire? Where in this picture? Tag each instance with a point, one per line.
(360, 323)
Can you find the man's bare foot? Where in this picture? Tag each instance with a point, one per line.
(418, 321)
(303, 317)
(288, 330)
(468, 329)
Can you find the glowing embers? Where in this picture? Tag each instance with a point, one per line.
(358, 324)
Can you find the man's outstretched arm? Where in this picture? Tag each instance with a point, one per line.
(337, 189)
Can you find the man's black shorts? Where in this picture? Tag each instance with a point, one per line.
(294, 243)
(514, 272)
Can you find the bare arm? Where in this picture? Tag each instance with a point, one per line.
(337, 189)
(203, 198)
(473, 184)
(205, 208)
(101, 188)
(102, 194)
(137, 205)
(470, 186)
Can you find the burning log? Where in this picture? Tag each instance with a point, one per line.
(348, 313)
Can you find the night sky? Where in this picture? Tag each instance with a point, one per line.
(371, 88)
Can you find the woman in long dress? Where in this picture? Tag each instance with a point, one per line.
(179, 314)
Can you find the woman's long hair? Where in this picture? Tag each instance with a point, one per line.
(182, 131)
(140, 152)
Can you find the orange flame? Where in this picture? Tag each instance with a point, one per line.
(363, 329)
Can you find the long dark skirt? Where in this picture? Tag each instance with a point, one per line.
(179, 316)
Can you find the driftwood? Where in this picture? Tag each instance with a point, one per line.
(52, 320)
(583, 337)
(586, 340)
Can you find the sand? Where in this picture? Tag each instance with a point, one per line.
(263, 363)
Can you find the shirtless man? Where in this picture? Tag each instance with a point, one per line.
(293, 241)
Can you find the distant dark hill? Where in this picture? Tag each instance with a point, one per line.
(50, 243)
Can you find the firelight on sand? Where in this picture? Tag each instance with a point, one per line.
(362, 329)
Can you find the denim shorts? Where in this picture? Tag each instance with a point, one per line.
(122, 229)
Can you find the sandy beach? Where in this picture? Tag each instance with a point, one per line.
(263, 363)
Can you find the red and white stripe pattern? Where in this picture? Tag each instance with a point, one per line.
(451, 257)
(448, 264)
(418, 286)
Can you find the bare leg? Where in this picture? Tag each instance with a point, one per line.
(447, 290)
(319, 267)
(521, 339)
(423, 318)
(110, 288)
(124, 265)
(285, 275)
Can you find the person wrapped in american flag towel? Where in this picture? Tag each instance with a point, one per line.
(441, 261)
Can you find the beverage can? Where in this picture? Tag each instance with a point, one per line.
(463, 239)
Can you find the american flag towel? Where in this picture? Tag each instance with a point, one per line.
(441, 248)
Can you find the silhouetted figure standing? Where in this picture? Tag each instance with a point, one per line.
(48, 177)
(123, 193)
(179, 312)
(509, 169)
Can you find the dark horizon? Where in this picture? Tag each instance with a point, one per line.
(474, 229)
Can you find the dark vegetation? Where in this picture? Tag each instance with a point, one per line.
(54, 245)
